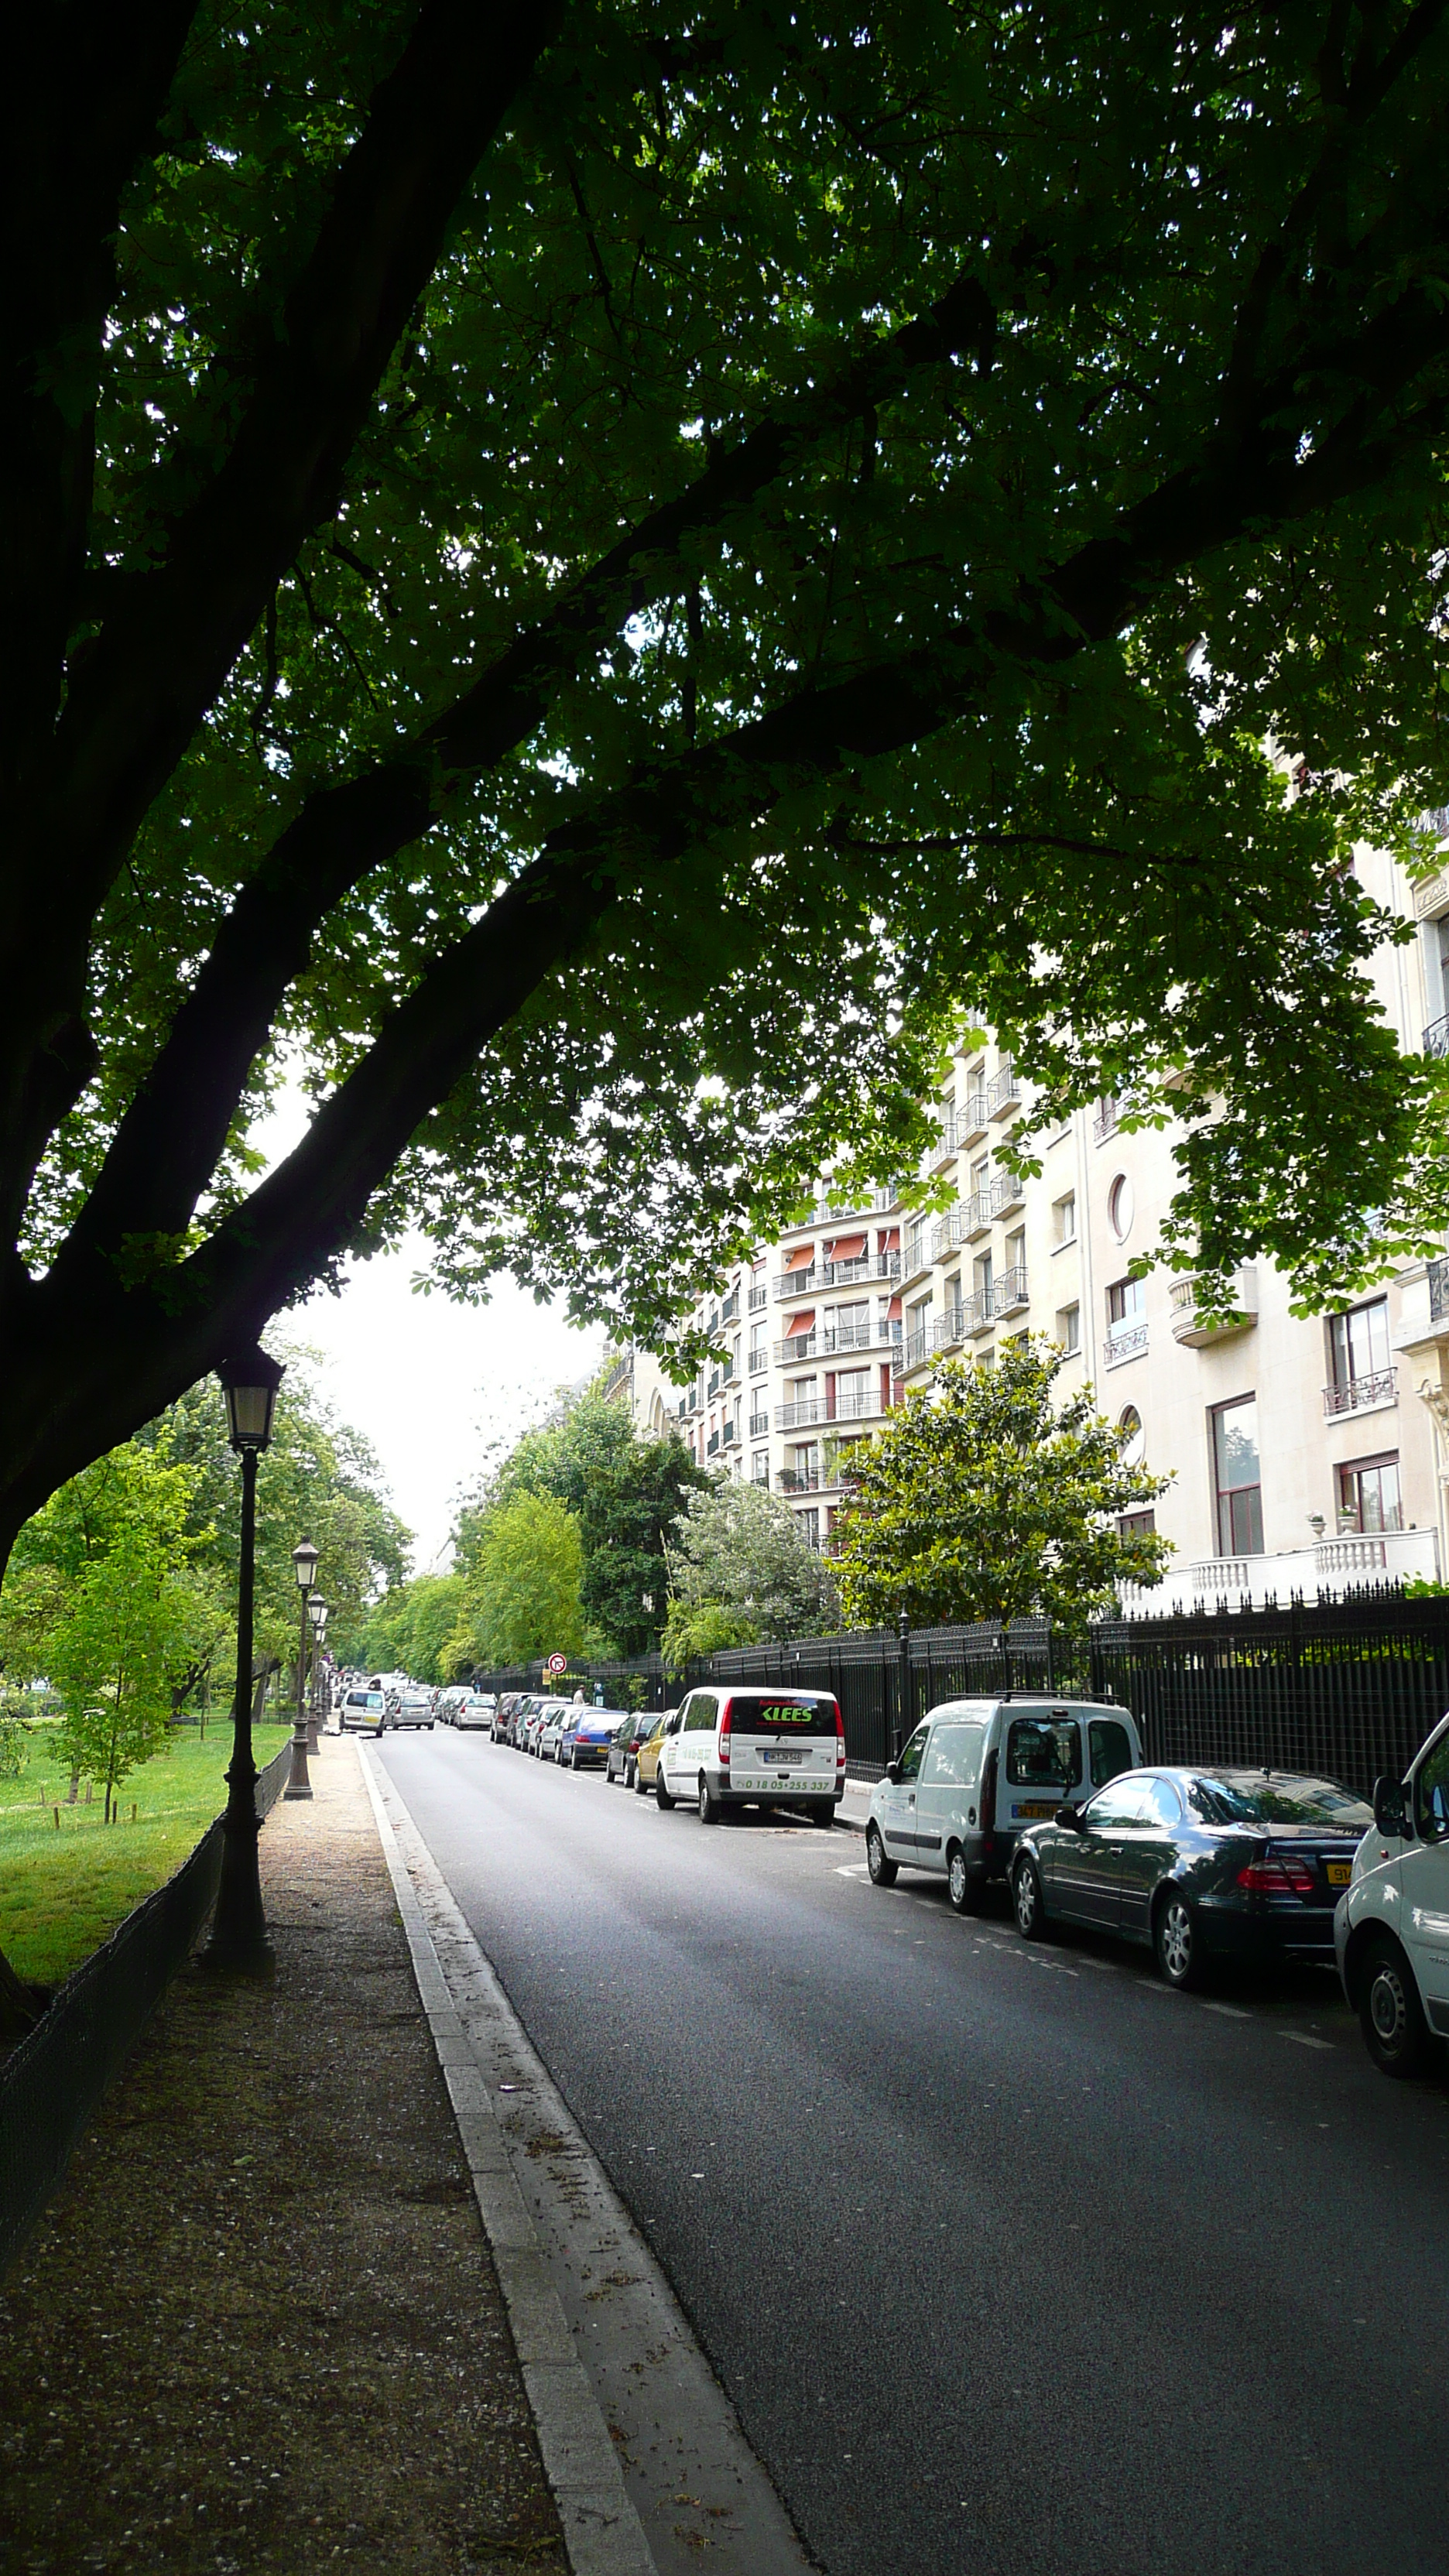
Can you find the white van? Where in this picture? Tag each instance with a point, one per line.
(977, 1772)
(751, 1744)
(1391, 1927)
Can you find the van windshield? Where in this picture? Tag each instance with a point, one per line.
(781, 1713)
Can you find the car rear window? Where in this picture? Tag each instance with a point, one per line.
(366, 1699)
(781, 1713)
(1281, 1798)
(1043, 1753)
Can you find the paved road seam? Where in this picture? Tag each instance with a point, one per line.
(602, 2531)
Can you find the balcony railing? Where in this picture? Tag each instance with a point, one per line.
(793, 1417)
(759, 1359)
(916, 1347)
(1197, 1327)
(1436, 1037)
(1009, 1293)
(729, 1371)
(947, 1329)
(953, 1230)
(866, 1265)
(795, 1480)
(797, 1283)
(855, 1407)
(713, 1384)
(978, 1313)
(1128, 1344)
(730, 1436)
(712, 1445)
(972, 1115)
(863, 1336)
(731, 1307)
(1438, 1291)
(1105, 1118)
(759, 1296)
(1361, 1394)
(760, 1476)
(759, 1426)
(1004, 1090)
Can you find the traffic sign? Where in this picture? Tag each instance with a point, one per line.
(557, 1664)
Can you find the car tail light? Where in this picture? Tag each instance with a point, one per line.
(839, 1739)
(724, 1738)
(1282, 1874)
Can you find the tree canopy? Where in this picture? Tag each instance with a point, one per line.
(740, 1568)
(981, 1500)
(597, 575)
(520, 1598)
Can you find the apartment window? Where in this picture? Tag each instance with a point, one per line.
(810, 1528)
(1064, 1218)
(1121, 1207)
(1237, 1476)
(984, 1278)
(1136, 1524)
(1069, 1328)
(952, 1295)
(1368, 1495)
(1126, 1307)
(1134, 1438)
(1358, 1343)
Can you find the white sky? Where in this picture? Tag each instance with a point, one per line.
(430, 1383)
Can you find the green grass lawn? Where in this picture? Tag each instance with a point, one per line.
(63, 1892)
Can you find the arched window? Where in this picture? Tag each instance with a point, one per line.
(1121, 1207)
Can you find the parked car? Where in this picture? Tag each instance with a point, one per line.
(758, 1746)
(646, 1760)
(622, 1758)
(1196, 1865)
(1391, 1930)
(536, 1722)
(475, 1709)
(414, 1708)
(587, 1737)
(552, 1720)
(977, 1774)
(364, 1712)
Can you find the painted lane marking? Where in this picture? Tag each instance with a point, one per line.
(1301, 2039)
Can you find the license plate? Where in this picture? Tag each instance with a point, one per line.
(1034, 1807)
(793, 1755)
(1339, 1872)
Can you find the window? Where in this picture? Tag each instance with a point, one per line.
(1124, 1803)
(1126, 1307)
(1165, 1804)
(760, 1467)
(1134, 1438)
(1238, 1477)
(1043, 1755)
(1121, 1207)
(1064, 1218)
(1069, 1328)
(701, 1710)
(1136, 1524)
(1358, 1343)
(954, 1758)
(1110, 1750)
(1368, 1495)
(810, 1529)
(1431, 1794)
(910, 1762)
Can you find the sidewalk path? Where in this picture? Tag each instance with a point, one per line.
(260, 2328)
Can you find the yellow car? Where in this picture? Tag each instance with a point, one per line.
(646, 1768)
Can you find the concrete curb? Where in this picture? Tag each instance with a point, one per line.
(602, 2531)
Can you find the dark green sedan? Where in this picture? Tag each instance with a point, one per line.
(1196, 1864)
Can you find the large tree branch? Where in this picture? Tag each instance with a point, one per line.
(160, 661)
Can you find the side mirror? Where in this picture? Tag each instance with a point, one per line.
(673, 1727)
(1070, 1817)
(1390, 1813)
(893, 1773)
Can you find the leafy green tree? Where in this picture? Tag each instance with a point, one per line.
(702, 1628)
(522, 1597)
(625, 1493)
(411, 1629)
(982, 1500)
(592, 576)
(738, 1552)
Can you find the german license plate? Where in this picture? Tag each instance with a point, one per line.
(1339, 1872)
(792, 1754)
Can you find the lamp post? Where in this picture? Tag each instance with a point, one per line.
(304, 1566)
(239, 1930)
(317, 1613)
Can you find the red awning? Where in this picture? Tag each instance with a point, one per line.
(849, 1248)
(894, 1315)
(800, 1258)
(891, 1240)
(800, 1324)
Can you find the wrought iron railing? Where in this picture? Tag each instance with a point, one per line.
(1358, 1394)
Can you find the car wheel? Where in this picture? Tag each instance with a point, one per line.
(822, 1812)
(631, 1773)
(1390, 2013)
(708, 1803)
(575, 1764)
(1176, 1940)
(662, 1797)
(882, 1871)
(1026, 1901)
(962, 1884)
(639, 1784)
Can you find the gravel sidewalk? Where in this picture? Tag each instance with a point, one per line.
(259, 2327)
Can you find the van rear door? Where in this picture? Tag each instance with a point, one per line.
(781, 1743)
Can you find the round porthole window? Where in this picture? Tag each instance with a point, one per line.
(1134, 1438)
(1121, 1207)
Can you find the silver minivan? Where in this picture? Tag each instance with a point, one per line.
(977, 1772)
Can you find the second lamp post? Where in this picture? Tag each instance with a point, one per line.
(304, 1562)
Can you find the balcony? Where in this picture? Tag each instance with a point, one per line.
(916, 1349)
(1436, 1037)
(713, 1385)
(978, 1313)
(1008, 1193)
(730, 1436)
(1105, 1119)
(796, 1346)
(866, 1336)
(759, 1296)
(867, 1265)
(856, 1407)
(976, 1216)
(1003, 1092)
(1009, 1294)
(794, 1417)
(1362, 1394)
(972, 1116)
(729, 1371)
(712, 1445)
(759, 1426)
(944, 1147)
(948, 1329)
(1129, 1344)
(797, 1283)
(731, 1307)
(798, 1480)
(1438, 1277)
(952, 1231)
(1333, 1565)
(759, 1359)
(1198, 1328)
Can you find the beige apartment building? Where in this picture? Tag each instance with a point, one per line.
(1305, 1455)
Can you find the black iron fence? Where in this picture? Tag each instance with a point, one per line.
(1348, 1687)
(52, 2082)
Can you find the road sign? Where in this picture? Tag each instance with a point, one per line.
(557, 1664)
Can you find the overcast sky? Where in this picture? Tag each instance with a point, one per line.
(430, 1383)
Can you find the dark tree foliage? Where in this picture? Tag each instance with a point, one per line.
(594, 574)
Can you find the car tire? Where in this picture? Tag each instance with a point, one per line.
(1390, 2014)
(574, 1763)
(962, 1884)
(707, 1802)
(631, 1773)
(1176, 1941)
(1027, 1906)
(822, 1811)
(639, 1784)
(882, 1870)
(662, 1797)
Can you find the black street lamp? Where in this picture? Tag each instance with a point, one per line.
(304, 1566)
(317, 1613)
(239, 1931)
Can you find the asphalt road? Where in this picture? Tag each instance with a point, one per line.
(1011, 2261)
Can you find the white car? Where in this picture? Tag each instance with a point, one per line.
(551, 1727)
(474, 1708)
(1391, 1929)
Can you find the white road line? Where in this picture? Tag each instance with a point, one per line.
(1301, 2039)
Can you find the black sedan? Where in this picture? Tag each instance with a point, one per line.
(623, 1755)
(1196, 1865)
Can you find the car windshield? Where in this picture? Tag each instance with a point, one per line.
(781, 1713)
(1279, 1798)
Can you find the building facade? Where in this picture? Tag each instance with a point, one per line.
(1305, 1454)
